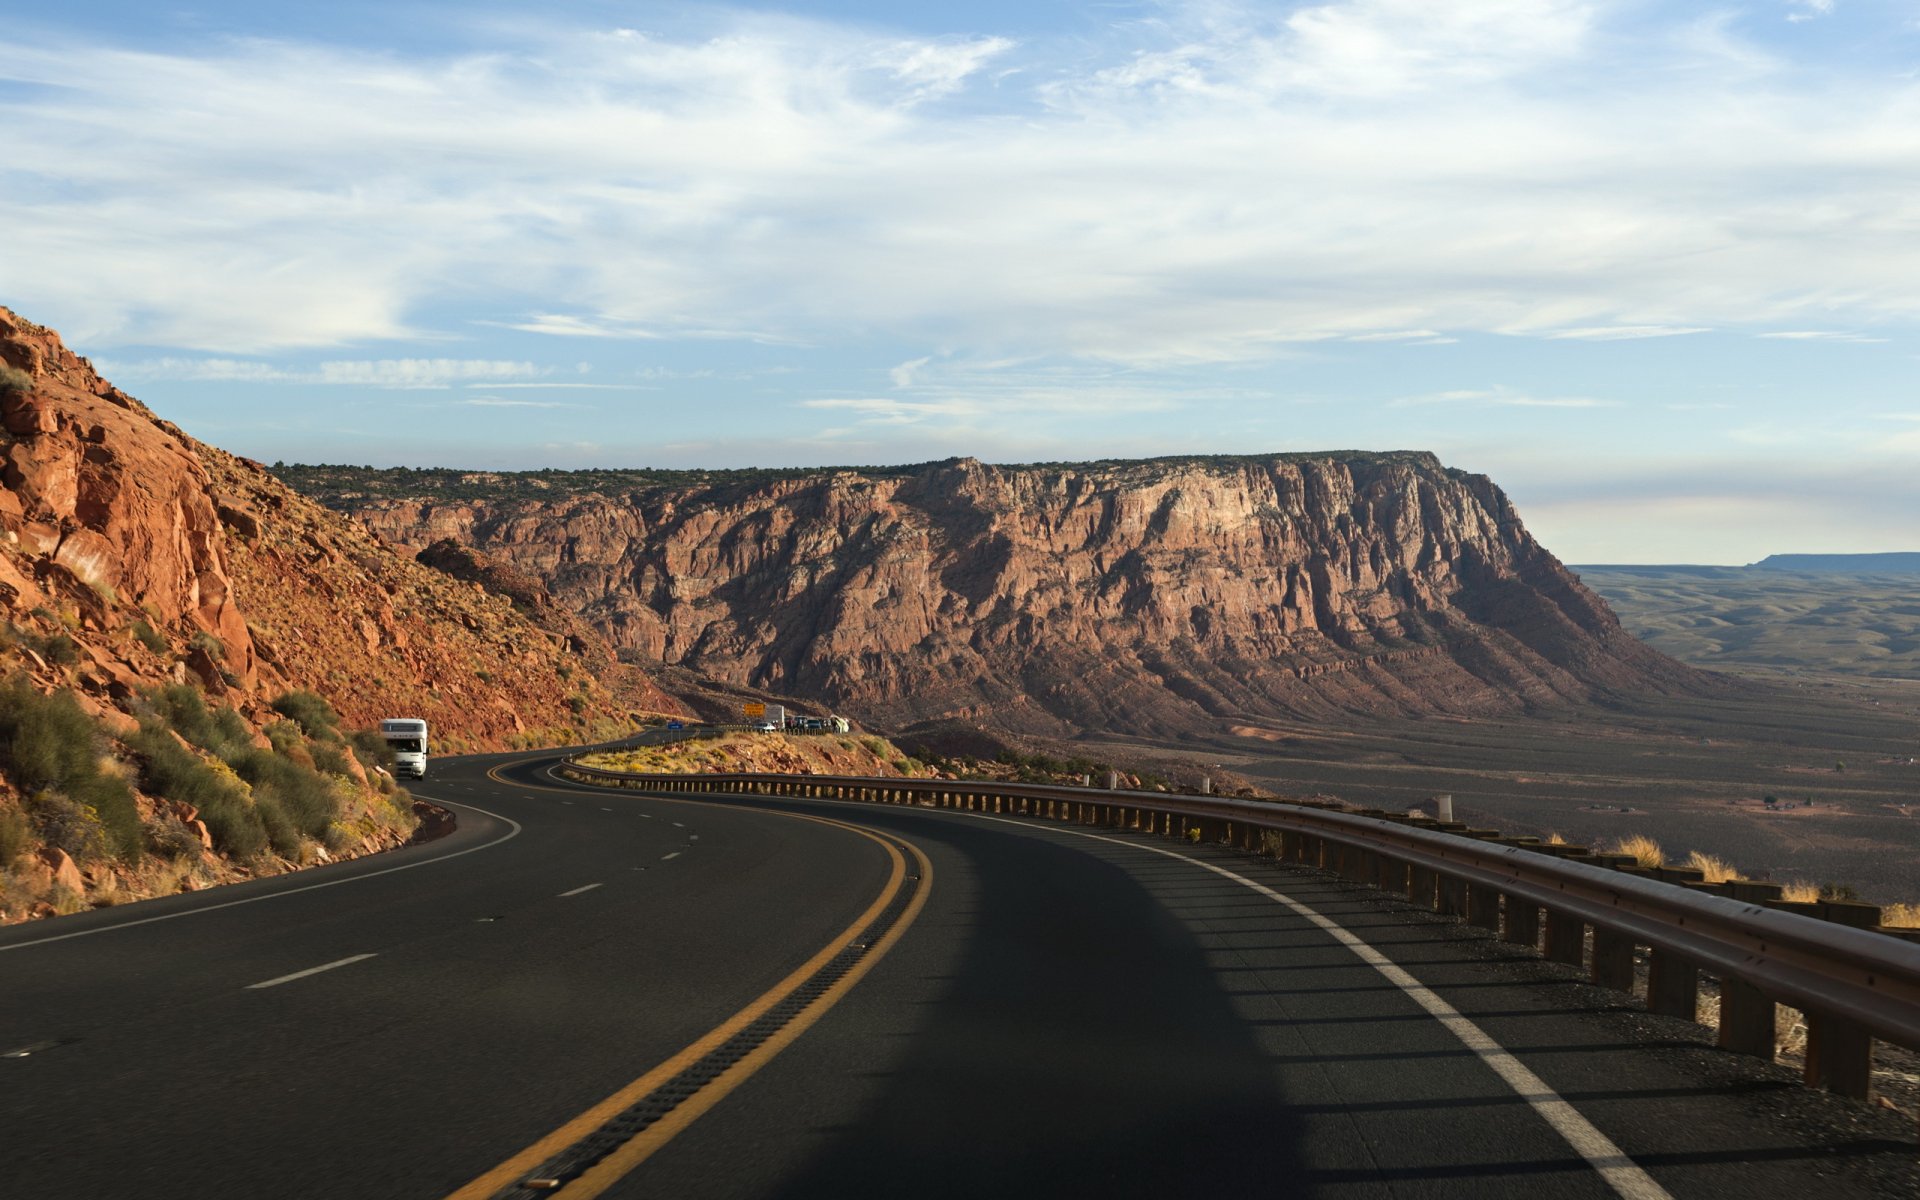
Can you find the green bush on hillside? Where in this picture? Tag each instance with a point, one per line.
(51, 749)
(177, 773)
(311, 712)
(14, 381)
(218, 731)
(15, 833)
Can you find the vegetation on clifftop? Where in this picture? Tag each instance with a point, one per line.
(350, 488)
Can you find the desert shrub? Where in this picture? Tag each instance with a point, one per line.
(44, 740)
(1645, 851)
(60, 650)
(64, 823)
(170, 838)
(285, 738)
(111, 802)
(15, 833)
(330, 759)
(1716, 870)
(289, 796)
(282, 833)
(149, 637)
(219, 731)
(371, 749)
(1838, 891)
(51, 748)
(177, 773)
(212, 646)
(1800, 893)
(14, 382)
(311, 712)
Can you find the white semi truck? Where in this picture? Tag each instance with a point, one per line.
(407, 738)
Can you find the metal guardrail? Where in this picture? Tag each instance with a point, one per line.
(1853, 984)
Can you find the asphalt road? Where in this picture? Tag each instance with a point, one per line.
(1035, 1012)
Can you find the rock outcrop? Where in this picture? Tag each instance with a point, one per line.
(132, 555)
(1165, 596)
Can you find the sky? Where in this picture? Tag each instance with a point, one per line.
(1654, 267)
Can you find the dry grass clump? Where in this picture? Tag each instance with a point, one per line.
(1556, 839)
(1645, 851)
(1901, 916)
(1800, 893)
(1715, 870)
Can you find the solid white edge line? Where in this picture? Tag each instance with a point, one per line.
(267, 983)
(311, 887)
(575, 892)
(1625, 1176)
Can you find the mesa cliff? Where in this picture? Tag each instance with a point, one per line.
(1163, 596)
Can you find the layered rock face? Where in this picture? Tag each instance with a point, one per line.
(1165, 596)
(147, 557)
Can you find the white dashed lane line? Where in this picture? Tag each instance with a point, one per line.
(267, 983)
(575, 892)
(675, 854)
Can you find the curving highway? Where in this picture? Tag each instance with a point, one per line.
(581, 994)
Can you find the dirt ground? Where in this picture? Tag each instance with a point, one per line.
(1836, 757)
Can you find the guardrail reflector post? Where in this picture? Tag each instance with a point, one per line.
(1673, 985)
(1453, 896)
(1566, 939)
(1612, 960)
(1746, 1019)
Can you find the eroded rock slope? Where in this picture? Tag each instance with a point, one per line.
(1163, 596)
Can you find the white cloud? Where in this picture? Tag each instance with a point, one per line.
(1818, 335)
(395, 373)
(902, 375)
(1807, 10)
(1228, 183)
(501, 402)
(1502, 397)
(1619, 333)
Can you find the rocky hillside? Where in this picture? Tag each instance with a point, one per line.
(157, 558)
(1167, 596)
(187, 647)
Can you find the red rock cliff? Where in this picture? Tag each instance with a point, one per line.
(1163, 595)
(147, 556)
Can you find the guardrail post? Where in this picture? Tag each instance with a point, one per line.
(1566, 939)
(1523, 921)
(1839, 1056)
(1612, 960)
(1453, 896)
(1746, 1019)
(1483, 907)
(1839, 1051)
(1423, 888)
(1673, 985)
(1393, 874)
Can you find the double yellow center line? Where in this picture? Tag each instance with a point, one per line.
(515, 1171)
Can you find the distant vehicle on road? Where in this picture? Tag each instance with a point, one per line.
(675, 725)
(407, 738)
(767, 727)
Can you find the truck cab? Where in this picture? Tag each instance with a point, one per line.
(407, 739)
